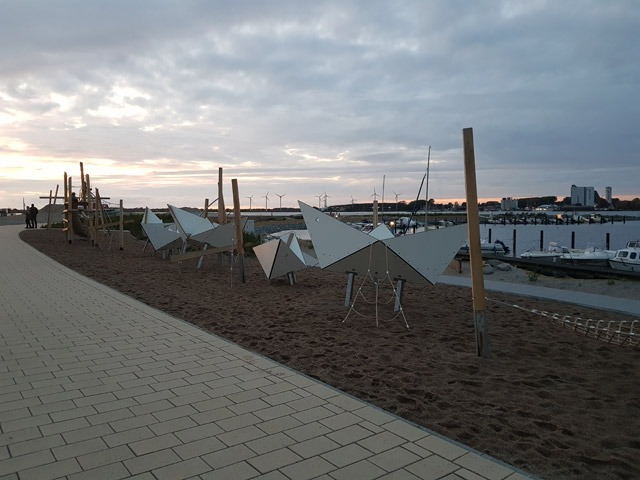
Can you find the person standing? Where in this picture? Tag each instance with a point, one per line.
(34, 216)
(27, 216)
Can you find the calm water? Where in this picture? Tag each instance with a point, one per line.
(528, 236)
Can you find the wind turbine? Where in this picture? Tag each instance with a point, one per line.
(397, 195)
(266, 202)
(374, 194)
(250, 199)
(319, 201)
(352, 200)
(280, 199)
(325, 199)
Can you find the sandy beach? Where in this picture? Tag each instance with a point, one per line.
(551, 402)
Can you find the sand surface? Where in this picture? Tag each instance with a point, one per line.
(549, 401)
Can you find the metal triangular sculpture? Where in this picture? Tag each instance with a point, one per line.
(190, 224)
(420, 258)
(162, 236)
(280, 257)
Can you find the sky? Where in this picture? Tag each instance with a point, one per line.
(300, 98)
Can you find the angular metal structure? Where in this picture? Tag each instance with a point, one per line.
(420, 258)
(280, 257)
(162, 236)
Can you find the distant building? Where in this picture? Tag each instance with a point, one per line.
(608, 193)
(584, 196)
(508, 204)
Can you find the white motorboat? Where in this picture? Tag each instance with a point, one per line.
(628, 258)
(553, 251)
(592, 255)
(497, 248)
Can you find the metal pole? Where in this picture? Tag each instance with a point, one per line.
(475, 251)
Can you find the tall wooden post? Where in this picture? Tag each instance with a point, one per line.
(121, 226)
(83, 189)
(475, 251)
(96, 218)
(49, 210)
(87, 186)
(206, 208)
(70, 211)
(238, 221)
(222, 219)
(375, 214)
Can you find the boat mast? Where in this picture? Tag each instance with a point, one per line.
(426, 204)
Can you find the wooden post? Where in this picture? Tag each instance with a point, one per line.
(49, 210)
(121, 227)
(475, 251)
(238, 222)
(222, 219)
(70, 212)
(206, 208)
(83, 192)
(87, 185)
(96, 218)
(375, 214)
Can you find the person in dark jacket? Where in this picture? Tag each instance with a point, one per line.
(34, 216)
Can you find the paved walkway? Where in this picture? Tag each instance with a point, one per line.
(94, 384)
(602, 302)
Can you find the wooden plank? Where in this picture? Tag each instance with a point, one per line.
(222, 219)
(475, 250)
(121, 226)
(237, 218)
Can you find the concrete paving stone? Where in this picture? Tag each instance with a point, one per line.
(34, 445)
(399, 475)
(24, 462)
(87, 433)
(158, 370)
(183, 367)
(184, 397)
(347, 455)
(151, 407)
(95, 399)
(80, 448)
(112, 471)
(128, 436)
(374, 415)
(64, 426)
(405, 430)
(230, 372)
(255, 383)
(241, 435)
(381, 442)
(307, 402)
(137, 382)
(256, 375)
(274, 412)
(463, 474)
(322, 391)
(345, 402)
(269, 443)
(276, 475)
(175, 412)
(314, 446)
(73, 413)
(277, 387)
(196, 433)
(182, 470)
(202, 378)
(90, 461)
(237, 421)
(119, 404)
(215, 415)
(245, 395)
(154, 397)
(24, 403)
(173, 426)
(172, 375)
(309, 468)
(342, 420)
(133, 391)
(351, 434)
(441, 447)
(151, 461)
(59, 380)
(517, 476)
(248, 407)
(279, 425)
(33, 378)
(307, 431)
(223, 382)
(313, 414)
(237, 471)
(333, 408)
(372, 427)
(394, 459)
(431, 468)
(212, 404)
(484, 466)
(198, 448)
(362, 470)
(22, 423)
(81, 385)
(117, 379)
(34, 392)
(51, 471)
(108, 417)
(154, 444)
(282, 397)
(274, 460)
(4, 453)
(228, 456)
(222, 391)
(133, 422)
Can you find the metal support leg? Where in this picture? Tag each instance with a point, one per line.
(202, 258)
(347, 300)
(292, 278)
(482, 335)
(399, 291)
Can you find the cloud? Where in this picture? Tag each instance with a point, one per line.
(322, 96)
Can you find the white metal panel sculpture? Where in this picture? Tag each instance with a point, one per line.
(280, 257)
(189, 224)
(162, 236)
(420, 258)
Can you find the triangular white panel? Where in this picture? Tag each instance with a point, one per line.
(292, 241)
(277, 259)
(381, 232)
(150, 217)
(309, 259)
(161, 236)
(220, 236)
(188, 223)
(430, 252)
(332, 239)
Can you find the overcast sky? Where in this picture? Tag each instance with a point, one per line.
(301, 98)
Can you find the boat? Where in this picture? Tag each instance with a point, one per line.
(628, 258)
(497, 248)
(553, 252)
(592, 255)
